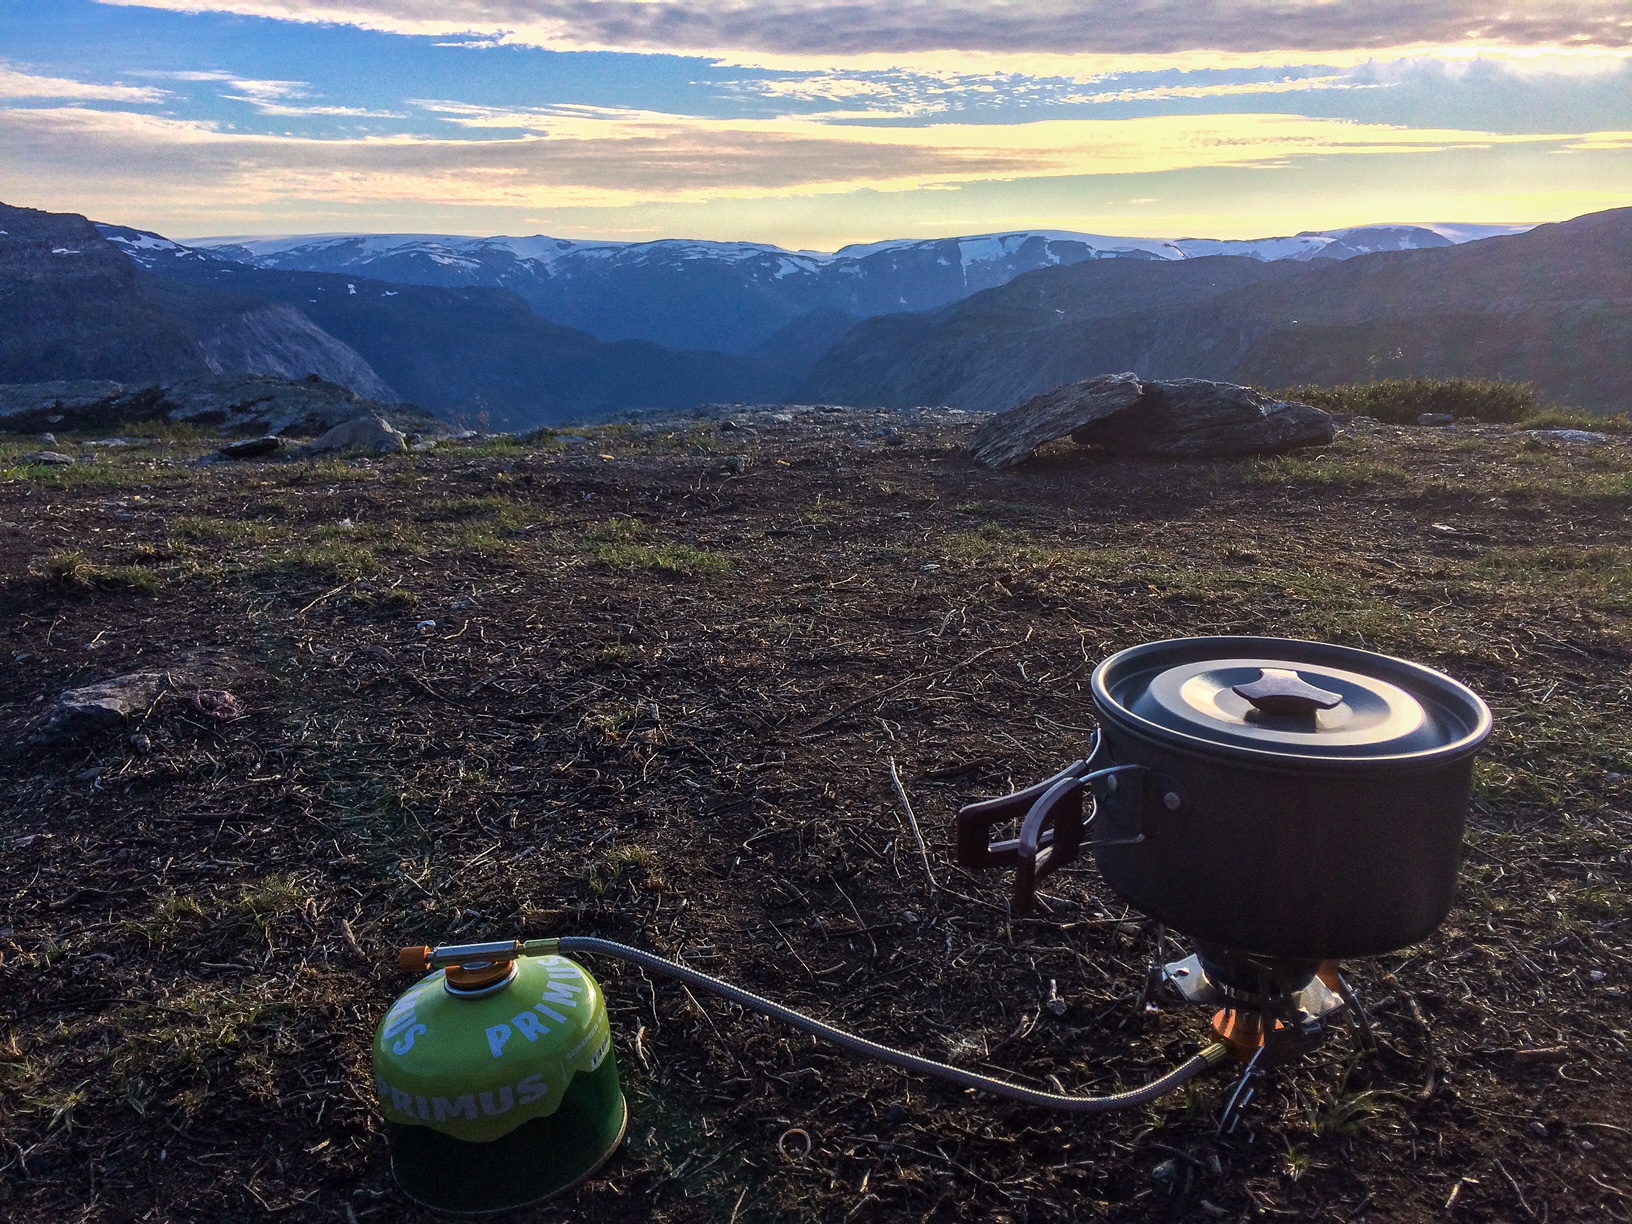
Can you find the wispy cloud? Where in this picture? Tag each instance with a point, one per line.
(588, 156)
(278, 99)
(24, 85)
(860, 27)
(1237, 89)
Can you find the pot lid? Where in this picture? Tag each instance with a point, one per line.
(1289, 699)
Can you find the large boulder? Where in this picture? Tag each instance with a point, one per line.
(370, 435)
(1179, 418)
(1011, 437)
(1194, 418)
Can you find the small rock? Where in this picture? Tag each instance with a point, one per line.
(1435, 420)
(1538, 1130)
(370, 435)
(426, 626)
(1166, 1173)
(49, 458)
(782, 418)
(97, 706)
(729, 426)
(252, 448)
(571, 440)
(1596, 975)
(48, 440)
(140, 744)
(892, 437)
(89, 775)
(737, 464)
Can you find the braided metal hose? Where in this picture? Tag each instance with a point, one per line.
(1209, 1057)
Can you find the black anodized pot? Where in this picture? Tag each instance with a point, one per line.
(1296, 799)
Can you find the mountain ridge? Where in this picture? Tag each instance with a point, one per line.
(1552, 305)
(732, 296)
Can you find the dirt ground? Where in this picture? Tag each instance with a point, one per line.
(648, 683)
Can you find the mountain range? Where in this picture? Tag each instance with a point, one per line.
(733, 297)
(513, 333)
(1551, 306)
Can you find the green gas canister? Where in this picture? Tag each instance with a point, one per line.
(497, 1079)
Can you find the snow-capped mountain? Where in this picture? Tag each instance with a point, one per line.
(735, 296)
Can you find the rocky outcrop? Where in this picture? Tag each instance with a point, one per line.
(368, 435)
(278, 341)
(74, 306)
(1185, 418)
(238, 404)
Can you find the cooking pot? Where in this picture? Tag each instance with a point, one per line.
(1271, 796)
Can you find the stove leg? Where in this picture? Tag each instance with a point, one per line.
(1356, 1013)
(1245, 1090)
(1146, 1002)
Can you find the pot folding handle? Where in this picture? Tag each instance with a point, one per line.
(975, 849)
(1051, 827)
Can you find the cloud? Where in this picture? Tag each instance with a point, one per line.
(275, 98)
(21, 85)
(1163, 93)
(818, 29)
(585, 156)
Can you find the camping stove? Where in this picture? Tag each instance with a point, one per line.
(1270, 1009)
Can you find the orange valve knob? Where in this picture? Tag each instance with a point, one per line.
(414, 960)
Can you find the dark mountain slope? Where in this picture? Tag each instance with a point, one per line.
(72, 306)
(1552, 306)
(1049, 327)
(482, 354)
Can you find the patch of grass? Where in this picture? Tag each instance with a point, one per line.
(173, 432)
(617, 545)
(1343, 1113)
(1331, 469)
(1399, 401)
(334, 561)
(667, 558)
(317, 471)
(103, 474)
(70, 569)
(196, 529)
(65, 568)
(269, 898)
(612, 866)
(490, 448)
(1564, 418)
(172, 914)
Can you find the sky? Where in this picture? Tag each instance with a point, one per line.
(813, 123)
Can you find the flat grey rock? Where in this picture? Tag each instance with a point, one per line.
(252, 448)
(1012, 437)
(48, 458)
(96, 707)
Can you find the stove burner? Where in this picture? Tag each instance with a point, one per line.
(1271, 1009)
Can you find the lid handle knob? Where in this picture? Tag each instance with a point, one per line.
(1280, 690)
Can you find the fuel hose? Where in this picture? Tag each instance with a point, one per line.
(1208, 1057)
